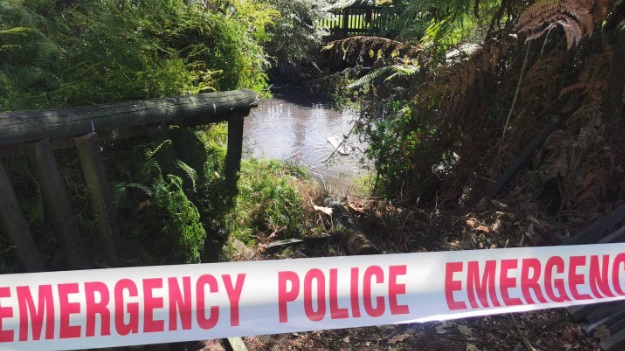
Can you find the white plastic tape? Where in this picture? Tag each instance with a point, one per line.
(146, 305)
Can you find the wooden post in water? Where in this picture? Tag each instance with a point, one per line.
(15, 228)
(57, 204)
(100, 197)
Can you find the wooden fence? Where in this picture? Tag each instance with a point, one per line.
(38, 133)
(358, 20)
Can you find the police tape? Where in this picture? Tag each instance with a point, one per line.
(147, 305)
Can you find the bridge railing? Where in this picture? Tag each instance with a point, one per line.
(37, 133)
(358, 20)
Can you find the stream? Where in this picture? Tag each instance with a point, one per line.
(294, 126)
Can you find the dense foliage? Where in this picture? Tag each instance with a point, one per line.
(295, 37)
(447, 117)
(65, 53)
(117, 50)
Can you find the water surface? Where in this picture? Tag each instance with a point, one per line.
(294, 125)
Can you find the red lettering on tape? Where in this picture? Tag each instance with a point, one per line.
(121, 308)
(336, 312)
(151, 303)
(395, 288)
(99, 307)
(452, 285)
(180, 303)
(5, 312)
(484, 287)
(234, 295)
(311, 276)
(599, 279)
(554, 287)
(36, 315)
(531, 282)
(378, 273)
(506, 283)
(353, 292)
(575, 278)
(286, 294)
(67, 308)
(203, 321)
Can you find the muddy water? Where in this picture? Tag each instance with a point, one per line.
(294, 125)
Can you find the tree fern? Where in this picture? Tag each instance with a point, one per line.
(391, 72)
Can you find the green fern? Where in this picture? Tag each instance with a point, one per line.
(392, 71)
(191, 173)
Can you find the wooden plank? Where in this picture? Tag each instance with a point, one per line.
(235, 150)
(596, 230)
(57, 204)
(616, 342)
(25, 126)
(100, 197)
(616, 315)
(15, 228)
(578, 313)
(112, 135)
(603, 310)
(615, 237)
(616, 326)
(524, 157)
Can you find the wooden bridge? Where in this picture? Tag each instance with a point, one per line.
(358, 20)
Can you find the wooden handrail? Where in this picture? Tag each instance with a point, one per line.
(37, 133)
(27, 126)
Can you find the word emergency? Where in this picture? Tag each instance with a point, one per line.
(529, 281)
(120, 308)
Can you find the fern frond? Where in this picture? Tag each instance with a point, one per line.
(370, 77)
(16, 31)
(396, 70)
(573, 16)
(403, 71)
(191, 173)
(148, 191)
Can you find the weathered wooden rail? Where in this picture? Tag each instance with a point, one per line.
(358, 20)
(37, 133)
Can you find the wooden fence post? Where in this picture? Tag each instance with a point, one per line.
(235, 149)
(15, 228)
(57, 204)
(345, 22)
(100, 197)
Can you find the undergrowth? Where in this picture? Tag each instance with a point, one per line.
(55, 54)
(444, 133)
(275, 201)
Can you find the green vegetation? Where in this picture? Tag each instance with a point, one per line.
(294, 45)
(274, 200)
(465, 86)
(65, 53)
